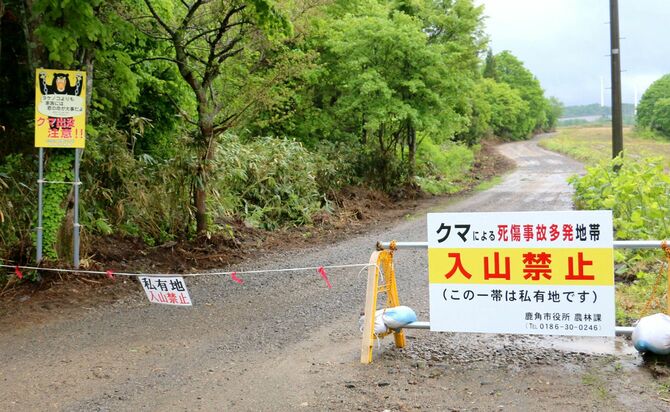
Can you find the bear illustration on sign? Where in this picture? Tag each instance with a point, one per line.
(60, 84)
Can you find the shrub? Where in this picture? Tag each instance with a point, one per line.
(637, 195)
(442, 168)
(137, 196)
(653, 112)
(270, 182)
(18, 203)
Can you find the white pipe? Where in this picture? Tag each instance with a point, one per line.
(619, 330)
(617, 244)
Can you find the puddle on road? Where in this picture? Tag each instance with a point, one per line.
(619, 347)
(590, 345)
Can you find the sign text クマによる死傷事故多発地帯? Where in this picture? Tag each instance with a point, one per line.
(522, 272)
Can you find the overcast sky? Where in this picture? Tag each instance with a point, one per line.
(566, 43)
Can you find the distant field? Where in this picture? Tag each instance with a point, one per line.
(593, 144)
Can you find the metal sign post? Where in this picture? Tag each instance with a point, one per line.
(40, 188)
(75, 226)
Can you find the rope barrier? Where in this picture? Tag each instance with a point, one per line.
(59, 182)
(108, 272)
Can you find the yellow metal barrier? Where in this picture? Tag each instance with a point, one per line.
(381, 266)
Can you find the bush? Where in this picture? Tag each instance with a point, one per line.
(653, 112)
(136, 196)
(269, 182)
(637, 195)
(442, 168)
(510, 114)
(18, 203)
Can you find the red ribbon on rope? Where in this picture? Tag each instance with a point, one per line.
(235, 278)
(322, 272)
(110, 274)
(18, 272)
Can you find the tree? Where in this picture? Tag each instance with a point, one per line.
(653, 112)
(214, 44)
(56, 34)
(455, 28)
(389, 83)
(509, 112)
(660, 121)
(73, 35)
(479, 113)
(387, 72)
(490, 66)
(554, 112)
(510, 70)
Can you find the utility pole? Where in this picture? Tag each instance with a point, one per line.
(617, 125)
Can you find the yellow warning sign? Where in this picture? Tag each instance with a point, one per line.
(60, 108)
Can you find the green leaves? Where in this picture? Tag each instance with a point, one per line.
(67, 27)
(59, 168)
(637, 195)
(385, 88)
(653, 112)
(270, 18)
(18, 201)
(509, 113)
(506, 68)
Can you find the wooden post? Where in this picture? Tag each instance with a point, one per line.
(370, 308)
(379, 261)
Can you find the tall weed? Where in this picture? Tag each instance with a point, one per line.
(18, 203)
(442, 168)
(137, 196)
(269, 182)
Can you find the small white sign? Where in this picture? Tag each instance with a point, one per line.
(166, 290)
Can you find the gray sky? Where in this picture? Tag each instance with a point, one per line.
(566, 43)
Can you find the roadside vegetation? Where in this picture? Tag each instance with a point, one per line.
(592, 144)
(637, 194)
(203, 115)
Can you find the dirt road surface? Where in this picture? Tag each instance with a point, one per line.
(284, 342)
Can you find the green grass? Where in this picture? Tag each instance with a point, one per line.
(593, 144)
(486, 185)
(593, 380)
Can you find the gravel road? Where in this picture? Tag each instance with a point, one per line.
(284, 342)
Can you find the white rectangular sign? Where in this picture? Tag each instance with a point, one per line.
(522, 272)
(166, 290)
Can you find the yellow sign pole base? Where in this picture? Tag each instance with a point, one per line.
(381, 263)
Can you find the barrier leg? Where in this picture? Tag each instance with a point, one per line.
(392, 294)
(379, 260)
(370, 307)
